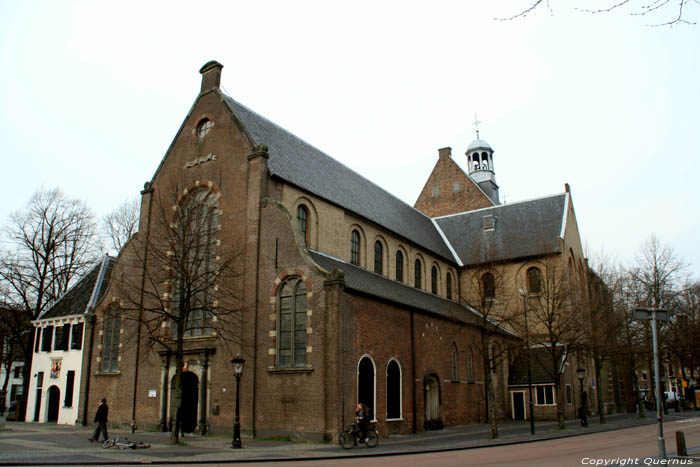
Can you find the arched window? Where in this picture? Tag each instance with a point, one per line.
(434, 280)
(488, 286)
(455, 359)
(291, 324)
(534, 280)
(110, 341)
(399, 266)
(417, 274)
(470, 365)
(303, 219)
(378, 255)
(393, 390)
(193, 261)
(366, 383)
(448, 286)
(355, 247)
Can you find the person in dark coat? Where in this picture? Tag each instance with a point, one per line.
(101, 420)
(362, 419)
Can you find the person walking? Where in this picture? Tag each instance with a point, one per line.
(101, 420)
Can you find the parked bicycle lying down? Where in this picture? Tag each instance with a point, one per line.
(114, 441)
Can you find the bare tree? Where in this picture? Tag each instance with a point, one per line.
(599, 340)
(48, 245)
(659, 272)
(181, 280)
(489, 292)
(122, 223)
(678, 9)
(557, 321)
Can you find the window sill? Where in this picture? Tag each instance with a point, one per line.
(291, 370)
(394, 419)
(108, 373)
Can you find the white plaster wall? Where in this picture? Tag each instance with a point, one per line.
(71, 360)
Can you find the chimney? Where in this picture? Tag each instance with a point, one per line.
(444, 152)
(211, 75)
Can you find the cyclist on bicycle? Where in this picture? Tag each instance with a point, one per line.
(362, 419)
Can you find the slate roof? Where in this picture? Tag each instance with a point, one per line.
(522, 229)
(301, 164)
(77, 299)
(376, 285)
(540, 367)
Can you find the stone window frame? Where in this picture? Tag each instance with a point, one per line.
(530, 280)
(311, 220)
(303, 222)
(448, 285)
(399, 265)
(111, 334)
(274, 319)
(378, 257)
(204, 126)
(212, 190)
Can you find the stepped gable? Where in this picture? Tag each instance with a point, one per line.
(299, 163)
(520, 230)
(77, 299)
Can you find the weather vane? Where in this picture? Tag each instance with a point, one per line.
(476, 124)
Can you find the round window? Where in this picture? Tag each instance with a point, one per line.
(204, 127)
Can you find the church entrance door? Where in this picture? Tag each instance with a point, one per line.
(433, 409)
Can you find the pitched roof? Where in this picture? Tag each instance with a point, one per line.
(301, 164)
(522, 229)
(540, 367)
(376, 285)
(83, 294)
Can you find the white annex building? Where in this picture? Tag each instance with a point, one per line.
(54, 387)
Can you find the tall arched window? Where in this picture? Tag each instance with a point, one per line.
(193, 261)
(488, 286)
(418, 275)
(355, 247)
(291, 324)
(434, 280)
(455, 359)
(393, 390)
(448, 286)
(534, 280)
(366, 383)
(378, 255)
(399, 266)
(303, 219)
(110, 340)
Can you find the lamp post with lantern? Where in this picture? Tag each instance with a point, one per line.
(581, 373)
(237, 372)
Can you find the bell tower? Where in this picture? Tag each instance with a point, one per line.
(480, 159)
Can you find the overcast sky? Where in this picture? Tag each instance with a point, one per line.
(92, 93)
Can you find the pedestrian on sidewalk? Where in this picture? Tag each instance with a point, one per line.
(101, 420)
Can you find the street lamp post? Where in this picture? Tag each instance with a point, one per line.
(237, 372)
(581, 374)
(654, 315)
(529, 369)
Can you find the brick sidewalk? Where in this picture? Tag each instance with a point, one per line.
(45, 444)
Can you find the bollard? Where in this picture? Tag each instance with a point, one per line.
(681, 449)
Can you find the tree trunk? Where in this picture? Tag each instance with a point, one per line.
(485, 345)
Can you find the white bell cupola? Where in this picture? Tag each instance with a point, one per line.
(480, 159)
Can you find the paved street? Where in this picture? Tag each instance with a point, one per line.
(37, 444)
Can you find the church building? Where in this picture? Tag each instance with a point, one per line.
(333, 290)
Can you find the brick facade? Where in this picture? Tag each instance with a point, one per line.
(343, 326)
(449, 190)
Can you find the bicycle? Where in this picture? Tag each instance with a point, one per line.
(351, 436)
(126, 444)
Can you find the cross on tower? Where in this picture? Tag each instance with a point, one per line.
(476, 124)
